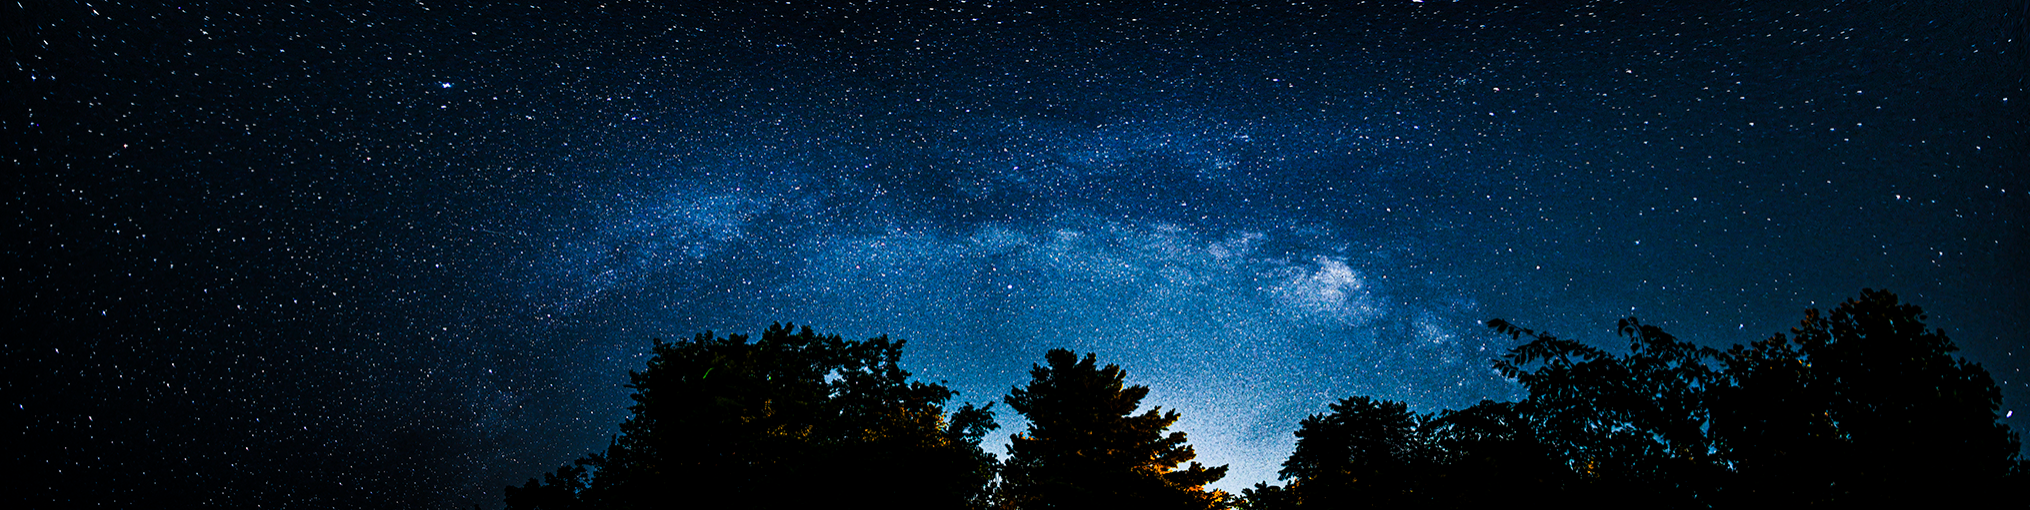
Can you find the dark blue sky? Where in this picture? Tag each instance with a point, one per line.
(403, 254)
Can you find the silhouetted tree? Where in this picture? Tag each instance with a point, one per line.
(1368, 453)
(558, 491)
(1364, 453)
(1086, 449)
(1774, 425)
(1267, 497)
(795, 420)
(1863, 405)
(1491, 452)
(1628, 426)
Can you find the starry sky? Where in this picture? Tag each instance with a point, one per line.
(403, 254)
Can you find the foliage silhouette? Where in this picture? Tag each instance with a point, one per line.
(1367, 453)
(1863, 405)
(1628, 426)
(795, 420)
(1364, 452)
(1859, 405)
(558, 490)
(1490, 452)
(1086, 449)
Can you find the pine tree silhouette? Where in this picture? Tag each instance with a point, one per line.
(1085, 447)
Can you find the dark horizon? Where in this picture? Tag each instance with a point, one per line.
(261, 249)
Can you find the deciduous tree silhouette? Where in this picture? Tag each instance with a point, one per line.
(1364, 453)
(1491, 452)
(1862, 404)
(1632, 425)
(1086, 449)
(795, 420)
(558, 491)
(1367, 453)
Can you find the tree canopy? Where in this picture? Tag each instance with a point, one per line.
(1862, 404)
(795, 420)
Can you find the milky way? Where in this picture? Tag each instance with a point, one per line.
(404, 255)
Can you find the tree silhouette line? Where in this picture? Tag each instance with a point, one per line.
(1859, 405)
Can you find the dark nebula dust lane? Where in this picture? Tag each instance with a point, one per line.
(404, 254)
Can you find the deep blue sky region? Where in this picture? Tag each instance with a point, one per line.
(404, 254)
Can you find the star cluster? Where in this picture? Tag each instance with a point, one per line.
(403, 254)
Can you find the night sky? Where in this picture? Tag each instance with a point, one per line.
(404, 254)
